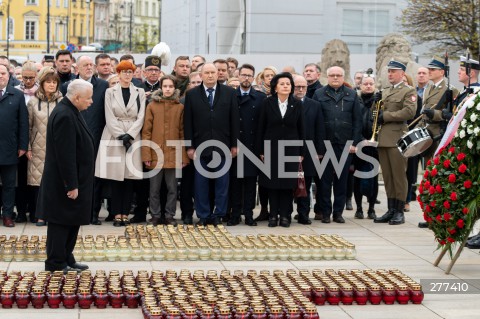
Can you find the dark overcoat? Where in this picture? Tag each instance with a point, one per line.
(219, 123)
(13, 126)
(314, 131)
(69, 165)
(249, 111)
(272, 127)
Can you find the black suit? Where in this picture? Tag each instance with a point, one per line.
(69, 165)
(314, 133)
(243, 189)
(205, 123)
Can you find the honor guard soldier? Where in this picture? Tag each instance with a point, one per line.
(400, 103)
(435, 99)
(468, 76)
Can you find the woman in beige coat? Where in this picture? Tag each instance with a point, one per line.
(116, 161)
(39, 108)
(163, 124)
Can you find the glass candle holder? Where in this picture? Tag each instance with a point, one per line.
(123, 252)
(7, 297)
(403, 295)
(101, 298)
(350, 252)
(88, 252)
(22, 297)
(8, 252)
(117, 299)
(327, 252)
(388, 295)
(360, 295)
(132, 297)
(54, 298)
(38, 297)
(69, 298)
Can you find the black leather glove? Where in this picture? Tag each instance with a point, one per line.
(378, 96)
(380, 118)
(126, 138)
(429, 113)
(446, 115)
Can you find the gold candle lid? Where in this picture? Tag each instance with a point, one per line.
(68, 290)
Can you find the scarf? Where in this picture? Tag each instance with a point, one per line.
(31, 91)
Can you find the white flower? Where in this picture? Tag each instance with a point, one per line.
(478, 107)
(470, 129)
(473, 117)
(476, 130)
(469, 103)
(464, 123)
(462, 134)
(469, 144)
(456, 134)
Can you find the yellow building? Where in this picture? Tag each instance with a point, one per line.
(68, 21)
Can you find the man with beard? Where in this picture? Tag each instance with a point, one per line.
(243, 187)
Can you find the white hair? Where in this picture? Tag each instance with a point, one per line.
(336, 66)
(77, 86)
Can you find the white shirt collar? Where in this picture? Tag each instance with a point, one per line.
(206, 88)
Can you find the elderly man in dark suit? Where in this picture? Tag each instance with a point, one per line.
(66, 191)
(94, 117)
(13, 141)
(211, 115)
(243, 187)
(314, 133)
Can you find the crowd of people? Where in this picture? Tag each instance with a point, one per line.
(238, 109)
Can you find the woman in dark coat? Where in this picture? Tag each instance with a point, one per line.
(281, 120)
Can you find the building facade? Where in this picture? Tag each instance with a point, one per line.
(258, 26)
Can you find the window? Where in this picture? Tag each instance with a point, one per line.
(378, 22)
(10, 28)
(352, 21)
(74, 27)
(32, 2)
(65, 3)
(30, 29)
(154, 9)
(58, 3)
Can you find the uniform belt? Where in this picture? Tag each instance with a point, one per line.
(124, 119)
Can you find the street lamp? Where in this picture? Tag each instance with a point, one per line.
(48, 26)
(159, 20)
(131, 20)
(8, 27)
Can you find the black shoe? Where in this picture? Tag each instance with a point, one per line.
(95, 222)
(348, 204)
(68, 268)
(398, 217)
(249, 221)
(138, 219)
(234, 221)
(326, 220)
(118, 222)
(32, 218)
(201, 222)
(305, 221)
(385, 218)
(371, 213)
(339, 219)
(21, 218)
(284, 222)
(318, 216)
(377, 201)
(273, 222)
(264, 216)
(170, 221)
(215, 221)
(188, 220)
(295, 217)
(226, 218)
(422, 225)
(79, 266)
(110, 218)
(473, 243)
(359, 214)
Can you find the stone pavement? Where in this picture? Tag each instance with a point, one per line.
(406, 247)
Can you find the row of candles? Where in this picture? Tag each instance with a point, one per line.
(185, 243)
(201, 294)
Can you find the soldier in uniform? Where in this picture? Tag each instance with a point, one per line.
(151, 72)
(434, 101)
(400, 103)
(467, 79)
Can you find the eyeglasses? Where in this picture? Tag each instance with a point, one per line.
(129, 72)
(153, 70)
(300, 87)
(28, 78)
(335, 75)
(248, 76)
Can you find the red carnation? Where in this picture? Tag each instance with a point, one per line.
(420, 188)
(461, 156)
(429, 162)
(439, 218)
(433, 203)
(428, 209)
(438, 189)
(452, 178)
(421, 205)
(442, 242)
(451, 150)
(426, 185)
(452, 231)
(460, 223)
(446, 163)
(453, 196)
(419, 199)
(429, 219)
(431, 190)
(436, 160)
(450, 239)
(467, 184)
(425, 175)
(462, 168)
(465, 211)
(434, 172)
(446, 204)
(447, 216)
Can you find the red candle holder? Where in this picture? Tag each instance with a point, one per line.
(69, 298)
(319, 296)
(374, 295)
(403, 295)
(346, 295)
(416, 294)
(117, 299)
(101, 298)
(38, 297)
(132, 297)
(54, 298)
(388, 295)
(22, 298)
(360, 295)
(85, 298)
(7, 297)
(310, 313)
(333, 295)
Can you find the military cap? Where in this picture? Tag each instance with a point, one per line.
(472, 63)
(436, 64)
(153, 60)
(396, 65)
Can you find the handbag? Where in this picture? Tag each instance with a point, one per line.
(301, 189)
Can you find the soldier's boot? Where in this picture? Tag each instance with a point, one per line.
(399, 216)
(385, 218)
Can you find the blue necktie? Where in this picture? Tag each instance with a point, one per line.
(210, 97)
